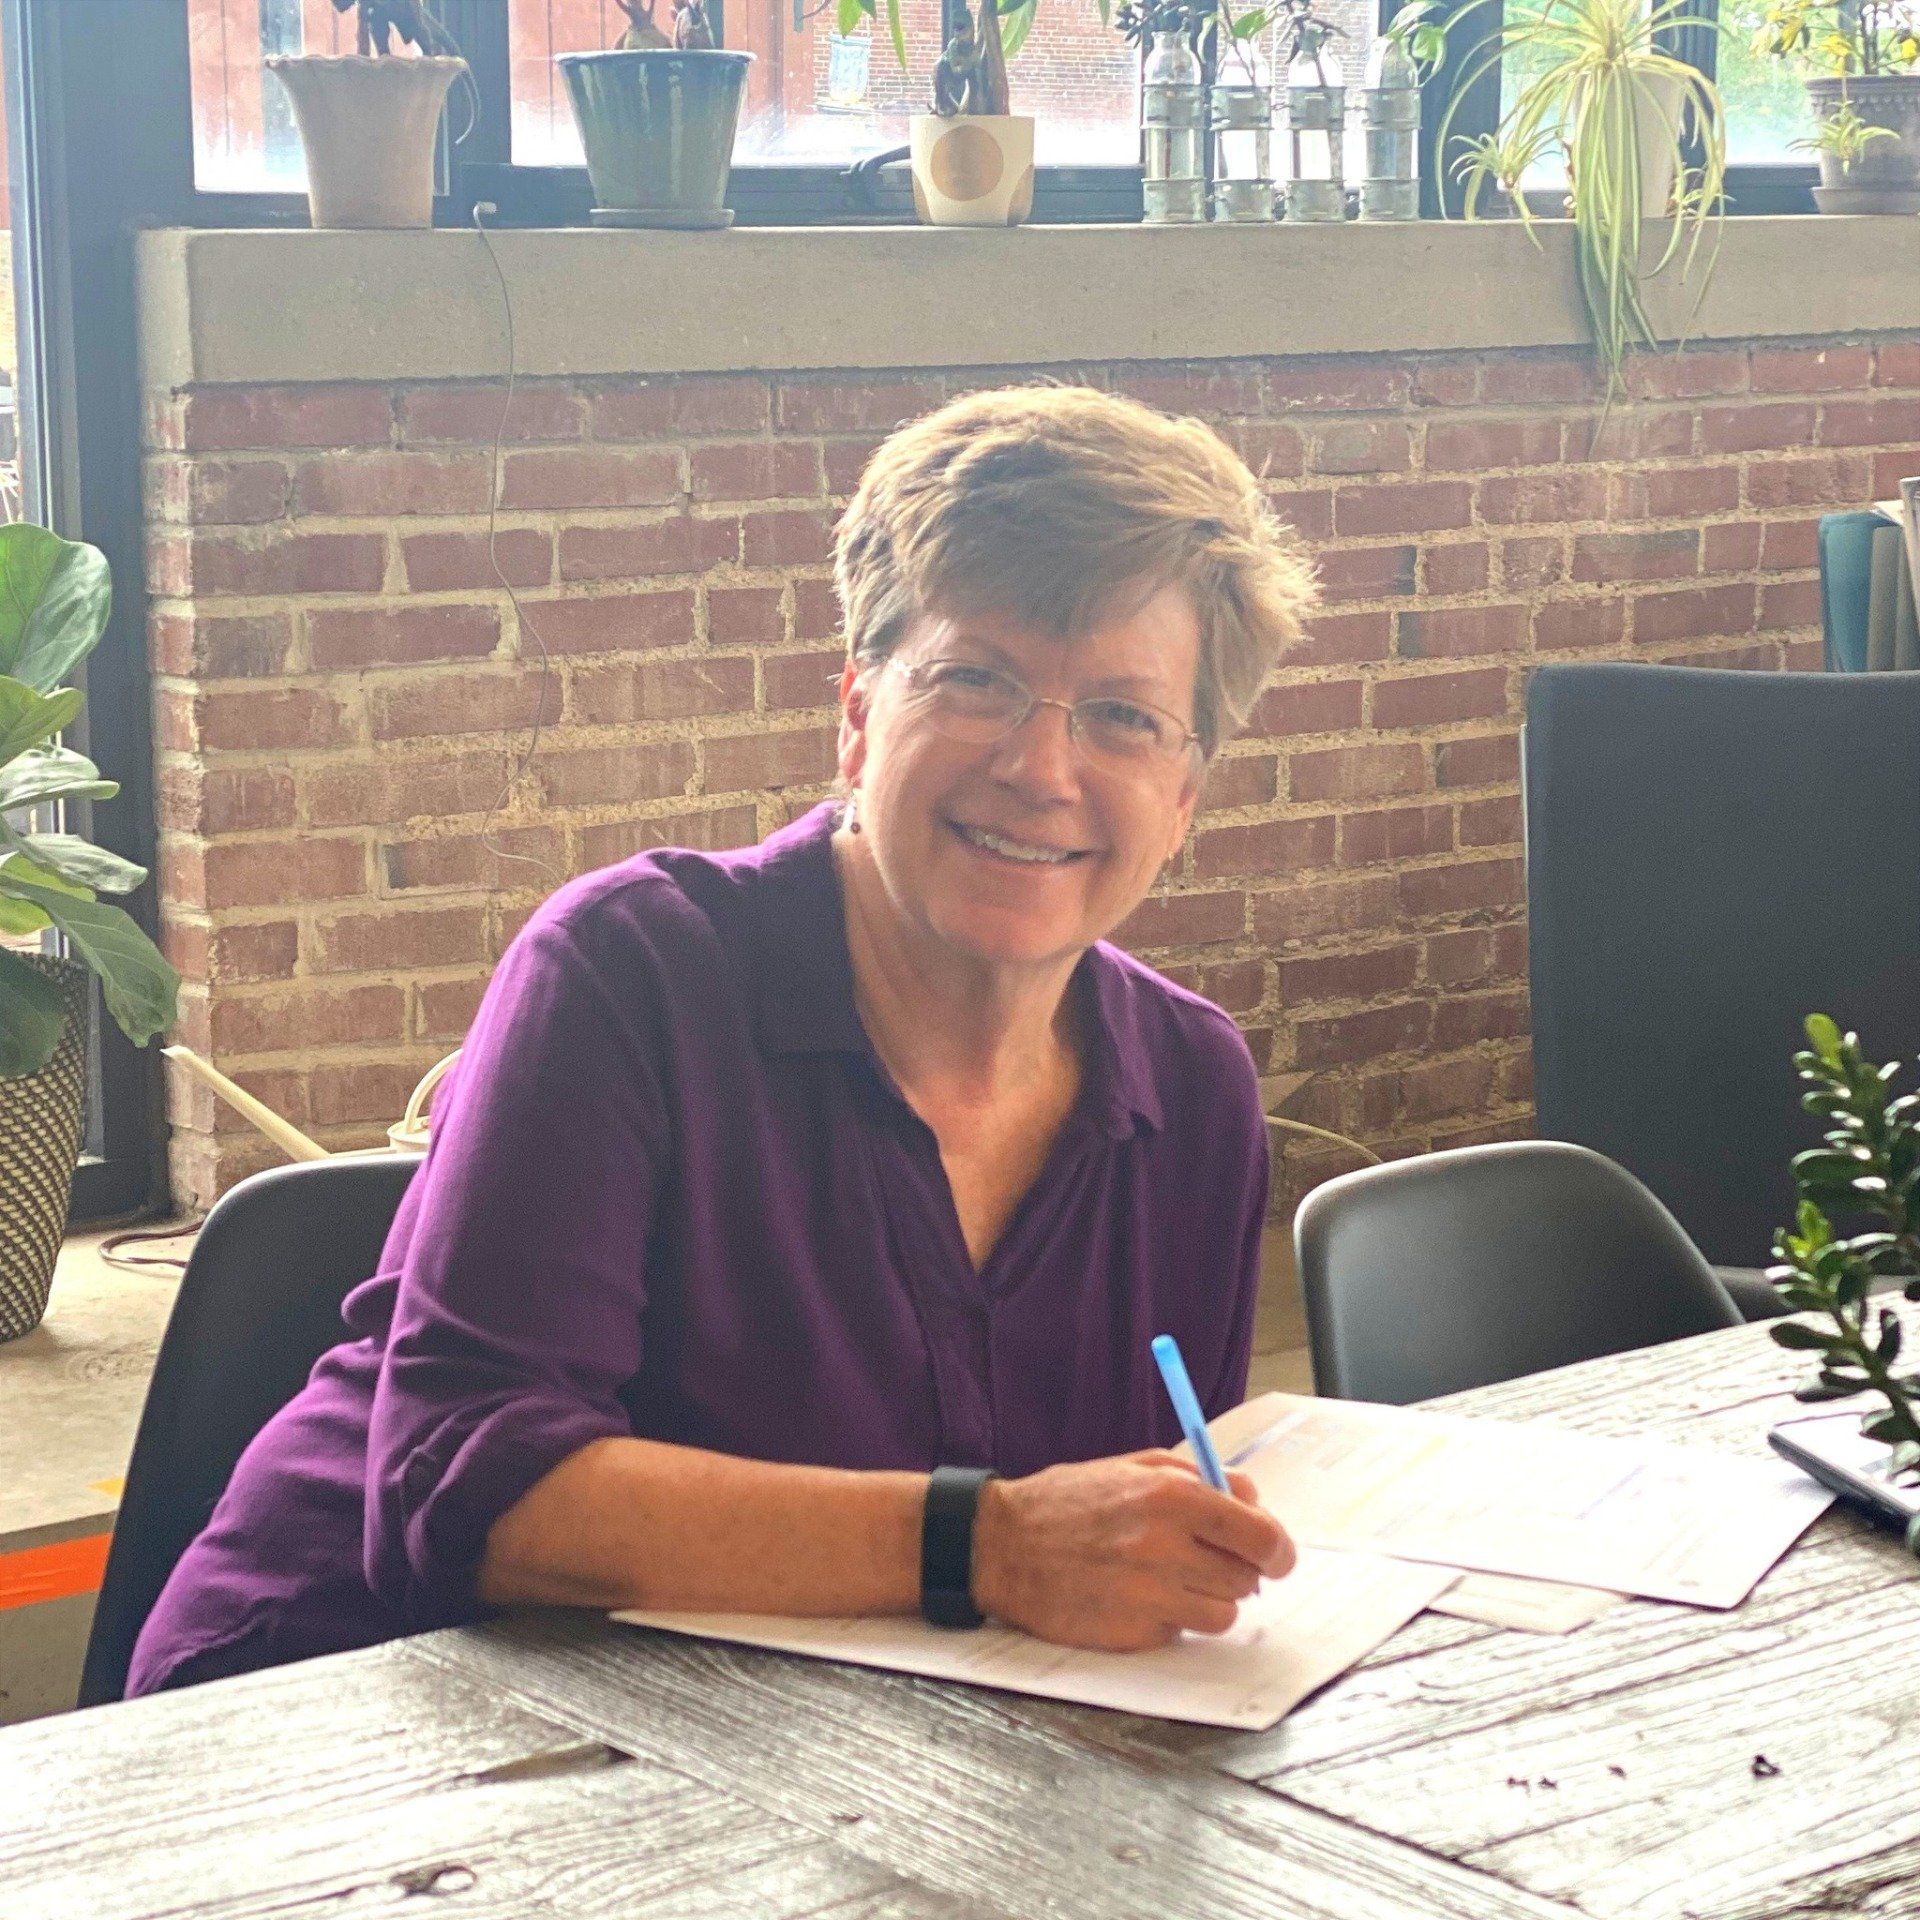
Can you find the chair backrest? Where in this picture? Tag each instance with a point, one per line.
(258, 1305)
(1711, 856)
(1452, 1270)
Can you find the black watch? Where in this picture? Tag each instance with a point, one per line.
(946, 1546)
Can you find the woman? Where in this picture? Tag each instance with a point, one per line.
(799, 1218)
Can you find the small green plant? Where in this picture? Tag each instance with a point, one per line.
(54, 596)
(1489, 161)
(1843, 36)
(1844, 135)
(1868, 1164)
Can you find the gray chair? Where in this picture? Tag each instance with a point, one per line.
(1452, 1270)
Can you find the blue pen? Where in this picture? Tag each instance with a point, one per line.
(1173, 1370)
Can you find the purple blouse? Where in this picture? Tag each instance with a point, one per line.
(673, 1192)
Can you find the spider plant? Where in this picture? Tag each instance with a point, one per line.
(1844, 135)
(1598, 88)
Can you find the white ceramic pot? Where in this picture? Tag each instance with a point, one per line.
(1661, 101)
(368, 125)
(972, 169)
(1886, 176)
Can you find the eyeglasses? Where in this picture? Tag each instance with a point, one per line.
(982, 705)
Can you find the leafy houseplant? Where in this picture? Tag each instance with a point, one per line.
(54, 596)
(368, 120)
(1598, 90)
(1864, 57)
(1868, 1164)
(657, 117)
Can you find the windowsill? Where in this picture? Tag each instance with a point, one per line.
(259, 306)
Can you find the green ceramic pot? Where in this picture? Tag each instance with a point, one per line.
(658, 128)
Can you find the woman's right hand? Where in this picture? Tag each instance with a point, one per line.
(1123, 1553)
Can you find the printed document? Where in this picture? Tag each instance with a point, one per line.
(1293, 1636)
(1510, 1497)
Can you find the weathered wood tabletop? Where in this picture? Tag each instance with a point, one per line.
(1762, 1764)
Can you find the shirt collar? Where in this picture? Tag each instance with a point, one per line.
(803, 977)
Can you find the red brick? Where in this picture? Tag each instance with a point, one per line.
(1803, 653)
(745, 616)
(212, 646)
(1454, 958)
(400, 787)
(1434, 633)
(1210, 389)
(1394, 833)
(846, 462)
(806, 405)
(1533, 560)
(277, 561)
(1752, 656)
(471, 415)
(791, 537)
(816, 611)
(1659, 617)
(1515, 1078)
(627, 691)
(223, 418)
(1429, 699)
(1240, 780)
(1463, 1019)
(1291, 707)
(1897, 363)
(1472, 446)
(1363, 446)
(252, 950)
(1463, 887)
(1450, 381)
(1730, 546)
(398, 636)
(802, 680)
(1399, 1027)
(210, 491)
(1886, 471)
(749, 762)
(274, 873)
(607, 622)
(1490, 823)
(1343, 639)
(380, 485)
(1307, 510)
(755, 470)
(1790, 543)
(457, 562)
(1234, 986)
(1789, 603)
(1438, 1089)
(1314, 384)
(558, 478)
(1686, 374)
(444, 1009)
(189, 798)
(1183, 920)
(1510, 378)
(678, 545)
(1669, 554)
(1272, 449)
(1810, 369)
(345, 1091)
(473, 860)
(238, 718)
(296, 1015)
(711, 830)
(1485, 761)
(1644, 433)
(466, 700)
(1808, 480)
(616, 776)
(1313, 912)
(1366, 573)
(679, 405)
(1526, 499)
(1674, 493)
(1363, 772)
(1462, 566)
(395, 937)
(1348, 976)
(1744, 429)
(1265, 848)
(1886, 421)
(1416, 506)
(1580, 623)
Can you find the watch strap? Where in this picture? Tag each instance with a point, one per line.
(946, 1546)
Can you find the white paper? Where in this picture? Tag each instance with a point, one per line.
(1293, 1636)
(1513, 1497)
(1532, 1606)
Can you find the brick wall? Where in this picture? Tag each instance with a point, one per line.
(333, 674)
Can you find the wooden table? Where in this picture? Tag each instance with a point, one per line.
(1660, 1761)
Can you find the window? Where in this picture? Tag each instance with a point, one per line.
(244, 140)
(1766, 98)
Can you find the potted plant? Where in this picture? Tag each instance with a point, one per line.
(1599, 91)
(657, 115)
(1868, 1164)
(54, 596)
(368, 119)
(1866, 60)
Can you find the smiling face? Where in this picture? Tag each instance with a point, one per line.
(1023, 852)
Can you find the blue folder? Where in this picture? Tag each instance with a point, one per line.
(1846, 566)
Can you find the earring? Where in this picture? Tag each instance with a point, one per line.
(853, 811)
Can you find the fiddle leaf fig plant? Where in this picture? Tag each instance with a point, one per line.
(1868, 1164)
(54, 599)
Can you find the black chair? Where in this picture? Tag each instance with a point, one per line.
(1455, 1269)
(1711, 856)
(258, 1304)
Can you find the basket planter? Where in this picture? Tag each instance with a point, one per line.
(972, 169)
(1885, 178)
(41, 1116)
(658, 126)
(368, 127)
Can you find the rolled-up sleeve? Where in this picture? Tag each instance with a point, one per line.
(517, 1319)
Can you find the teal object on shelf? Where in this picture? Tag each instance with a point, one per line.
(1846, 564)
(658, 126)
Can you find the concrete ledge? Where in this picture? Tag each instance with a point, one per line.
(226, 307)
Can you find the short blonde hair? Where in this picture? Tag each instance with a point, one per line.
(1054, 505)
